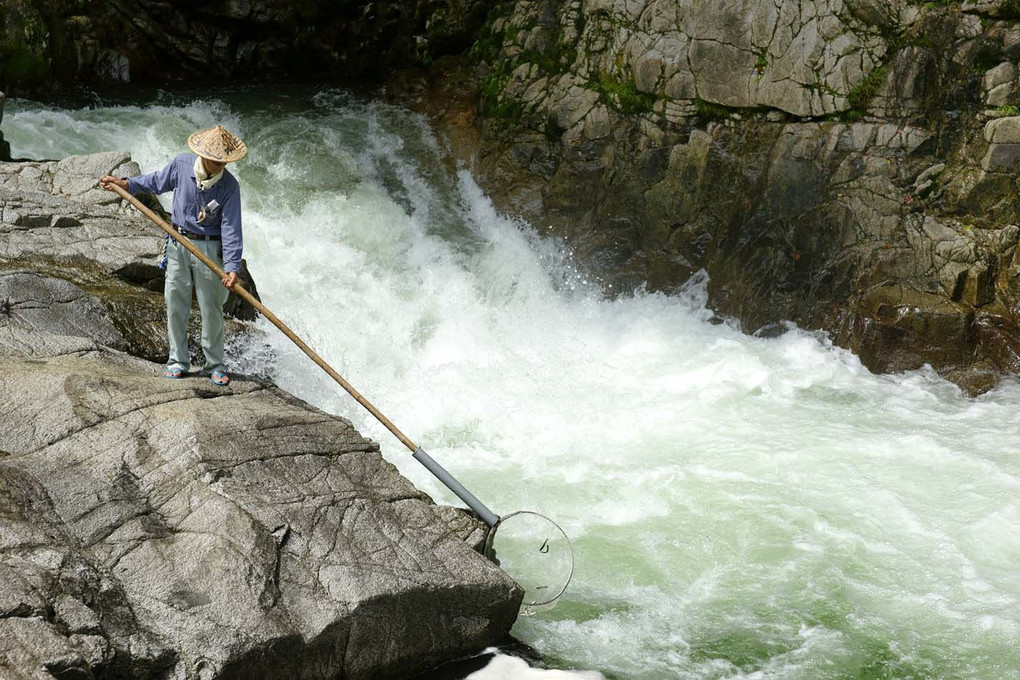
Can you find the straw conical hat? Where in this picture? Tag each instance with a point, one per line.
(218, 144)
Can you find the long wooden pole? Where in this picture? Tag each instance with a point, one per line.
(240, 290)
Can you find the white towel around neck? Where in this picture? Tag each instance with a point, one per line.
(202, 177)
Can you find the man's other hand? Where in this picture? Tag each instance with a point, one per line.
(230, 279)
(106, 181)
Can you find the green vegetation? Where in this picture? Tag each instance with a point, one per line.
(490, 41)
(850, 116)
(490, 100)
(24, 47)
(622, 95)
(711, 111)
(20, 67)
(1008, 110)
(553, 60)
(1010, 9)
(861, 96)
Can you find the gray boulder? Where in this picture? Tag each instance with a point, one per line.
(155, 527)
(1003, 135)
(41, 316)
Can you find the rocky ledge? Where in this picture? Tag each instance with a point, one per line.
(169, 529)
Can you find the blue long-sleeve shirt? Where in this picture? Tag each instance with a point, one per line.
(224, 219)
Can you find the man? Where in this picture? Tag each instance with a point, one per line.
(206, 209)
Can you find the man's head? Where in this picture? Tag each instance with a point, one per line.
(217, 147)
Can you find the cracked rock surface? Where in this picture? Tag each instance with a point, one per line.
(805, 58)
(153, 527)
(171, 529)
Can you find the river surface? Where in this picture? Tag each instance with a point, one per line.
(739, 507)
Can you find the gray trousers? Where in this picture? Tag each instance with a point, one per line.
(184, 272)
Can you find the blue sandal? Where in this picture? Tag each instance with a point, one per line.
(174, 372)
(219, 377)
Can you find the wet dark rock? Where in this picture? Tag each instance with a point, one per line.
(5, 146)
(145, 42)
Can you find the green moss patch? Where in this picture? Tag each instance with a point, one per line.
(622, 95)
(491, 103)
(20, 68)
(860, 96)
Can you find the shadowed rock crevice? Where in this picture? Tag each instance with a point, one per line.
(136, 41)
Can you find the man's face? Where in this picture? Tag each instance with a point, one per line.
(212, 167)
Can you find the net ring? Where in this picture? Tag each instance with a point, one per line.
(536, 553)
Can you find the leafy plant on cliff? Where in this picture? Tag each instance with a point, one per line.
(490, 100)
(860, 96)
(1010, 9)
(622, 95)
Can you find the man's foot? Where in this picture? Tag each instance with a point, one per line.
(219, 377)
(173, 371)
